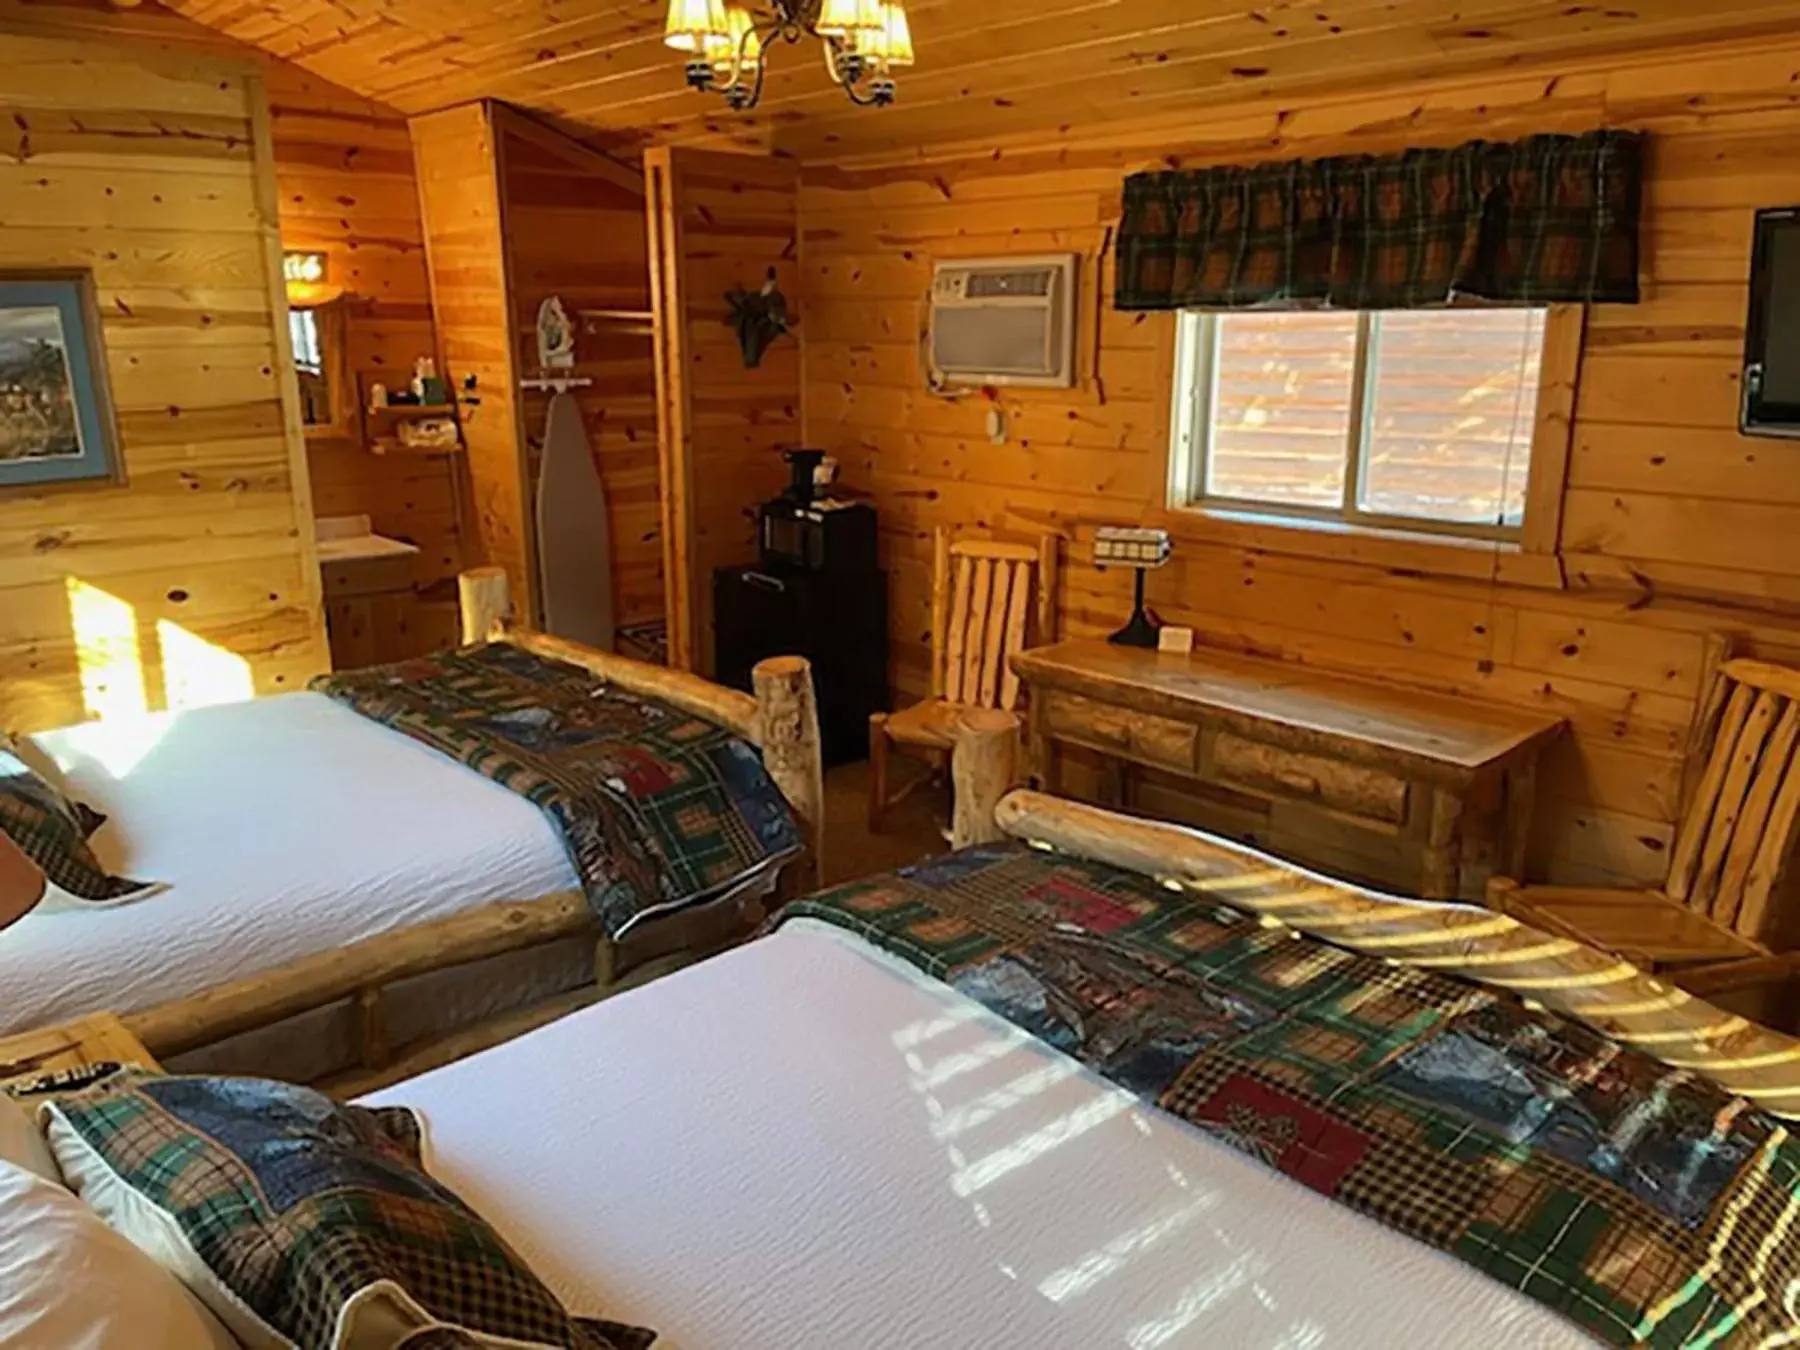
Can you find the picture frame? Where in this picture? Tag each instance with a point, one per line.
(57, 423)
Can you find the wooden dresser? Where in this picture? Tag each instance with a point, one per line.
(1379, 784)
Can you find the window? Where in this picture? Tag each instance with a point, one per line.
(303, 332)
(1419, 420)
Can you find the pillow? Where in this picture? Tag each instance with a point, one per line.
(22, 1143)
(303, 1223)
(68, 1282)
(54, 831)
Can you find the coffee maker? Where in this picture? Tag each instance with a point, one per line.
(818, 533)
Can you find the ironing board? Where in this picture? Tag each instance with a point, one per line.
(574, 532)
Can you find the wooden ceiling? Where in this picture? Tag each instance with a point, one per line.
(986, 67)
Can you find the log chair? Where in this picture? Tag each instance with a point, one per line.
(987, 598)
(1718, 924)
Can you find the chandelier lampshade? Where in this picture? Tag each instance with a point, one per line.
(692, 22)
(890, 44)
(727, 51)
(843, 18)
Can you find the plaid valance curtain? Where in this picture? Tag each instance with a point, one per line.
(1541, 221)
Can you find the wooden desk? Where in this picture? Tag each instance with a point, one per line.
(99, 1038)
(1380, 784)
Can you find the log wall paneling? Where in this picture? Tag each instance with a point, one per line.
(575, 229)
(458, 157)
(345, 186)
(1673, 525)
(718, 220)
(344, 167)
(198, 576)
(514, 212)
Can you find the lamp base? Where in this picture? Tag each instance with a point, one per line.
(1142, 631)
(1144, 626)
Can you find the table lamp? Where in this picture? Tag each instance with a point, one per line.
(21, 883)
(1142, 551)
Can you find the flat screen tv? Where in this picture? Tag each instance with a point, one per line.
(1772, 333)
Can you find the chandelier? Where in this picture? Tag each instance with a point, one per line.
(865, 41)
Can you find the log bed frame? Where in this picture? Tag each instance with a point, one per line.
(781, 719)
(1565, 976)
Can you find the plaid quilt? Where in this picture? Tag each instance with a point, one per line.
(1639, 1200)
(314, 1215)
(659, 808)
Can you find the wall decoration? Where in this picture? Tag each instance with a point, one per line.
(56, 411)
(758, 317)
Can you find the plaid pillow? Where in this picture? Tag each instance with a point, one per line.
(304, 1223)
(53, 830)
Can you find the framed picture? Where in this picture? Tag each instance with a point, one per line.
(56, 412)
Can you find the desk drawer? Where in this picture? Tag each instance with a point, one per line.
(1160, 742)
(1369, 793)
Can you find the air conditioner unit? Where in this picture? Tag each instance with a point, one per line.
(1004, 321)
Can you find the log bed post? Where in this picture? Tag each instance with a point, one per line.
(486, 602)
(787, 716)
(982, 769)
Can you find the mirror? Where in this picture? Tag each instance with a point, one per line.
(322, 368)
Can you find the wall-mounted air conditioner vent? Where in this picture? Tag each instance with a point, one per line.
(1004, 321)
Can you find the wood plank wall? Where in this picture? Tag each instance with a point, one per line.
(344, 167)
(455, 154)
(575, 228)
(346, 186)
(146, 167)
(726, 221)
(1674, 526)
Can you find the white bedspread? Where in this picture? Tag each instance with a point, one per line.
(799, 1146)
(285, 827)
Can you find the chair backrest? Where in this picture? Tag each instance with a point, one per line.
(982, 608)
(1738, 829)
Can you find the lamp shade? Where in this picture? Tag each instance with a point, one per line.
(692, 22)
(847, 18)
(891, 43)
(724, 50)
(21, 883)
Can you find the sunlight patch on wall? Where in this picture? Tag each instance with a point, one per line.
(107, 652)
(198, 673)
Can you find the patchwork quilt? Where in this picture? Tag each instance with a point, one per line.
(659, 808)
(1641, 1201)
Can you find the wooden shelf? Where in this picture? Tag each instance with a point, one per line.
(393, 445)
(413, 410)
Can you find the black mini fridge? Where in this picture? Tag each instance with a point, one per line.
(835, 619)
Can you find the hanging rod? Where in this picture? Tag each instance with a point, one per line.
(627, 322)
(560, 384)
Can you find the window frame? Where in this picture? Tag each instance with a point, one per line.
(1190, 437)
